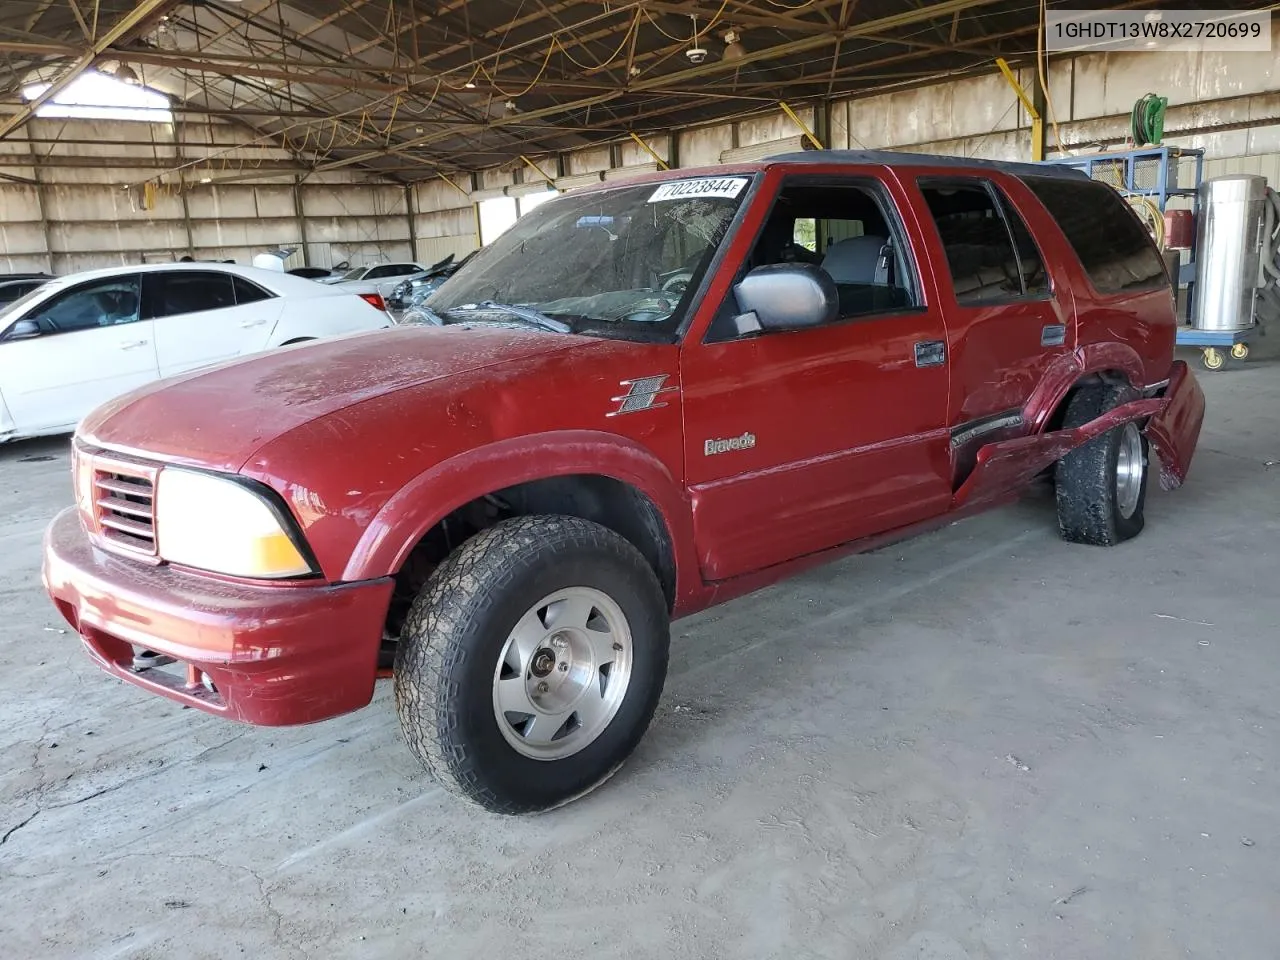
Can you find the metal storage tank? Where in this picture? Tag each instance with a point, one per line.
(1228, 245)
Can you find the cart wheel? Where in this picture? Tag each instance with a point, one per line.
(1213, 358)
(1240, 351)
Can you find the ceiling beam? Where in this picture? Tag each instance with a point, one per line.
(739, 18)
(122, 28)
(870, 27)
(143, 162)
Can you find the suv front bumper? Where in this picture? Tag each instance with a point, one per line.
(271, 654)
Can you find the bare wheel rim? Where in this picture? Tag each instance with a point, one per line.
(1131, 469)
(563, 673)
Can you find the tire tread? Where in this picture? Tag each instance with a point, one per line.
(460, 590)
(1083, 480)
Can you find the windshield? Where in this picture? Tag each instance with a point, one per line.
(622, 261)
(355, 274)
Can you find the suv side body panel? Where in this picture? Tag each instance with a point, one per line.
(995, 350)
(798, 441)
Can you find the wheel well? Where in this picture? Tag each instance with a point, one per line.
(611, 503)
(297, 340)
(1059, 414)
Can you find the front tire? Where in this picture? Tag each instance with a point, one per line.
(1101, 487)
(531, 663)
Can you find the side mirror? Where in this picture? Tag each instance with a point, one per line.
(786, 296)
(23, 330)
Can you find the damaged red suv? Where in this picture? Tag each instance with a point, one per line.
(641, 400)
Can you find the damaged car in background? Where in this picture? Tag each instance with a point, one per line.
(413, 291)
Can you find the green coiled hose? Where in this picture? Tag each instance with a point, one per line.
(1146, 123)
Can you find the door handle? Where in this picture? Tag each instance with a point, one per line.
(246, 324)
(130, 344)
(1053, 335)
(931, 353)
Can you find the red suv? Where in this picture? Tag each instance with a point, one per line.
(641, 400)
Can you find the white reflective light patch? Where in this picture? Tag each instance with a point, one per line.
(728, 187)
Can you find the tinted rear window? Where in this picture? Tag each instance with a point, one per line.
(247, 292)
(1111, 243)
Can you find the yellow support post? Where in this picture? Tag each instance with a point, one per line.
(662, 164)
(542, 173)
(1037, 123)
(452, 184)
(809, 134)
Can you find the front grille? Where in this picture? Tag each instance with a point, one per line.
(124, 504)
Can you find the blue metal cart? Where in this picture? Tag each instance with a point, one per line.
(1150, 172)
(1216, 345)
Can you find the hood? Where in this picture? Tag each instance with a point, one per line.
(218, 417)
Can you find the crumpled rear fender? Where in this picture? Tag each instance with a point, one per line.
(1175, 430)
(1173, 427)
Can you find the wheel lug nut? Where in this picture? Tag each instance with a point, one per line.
(542, 687)
(564, 667)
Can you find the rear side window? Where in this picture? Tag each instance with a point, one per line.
(1035, 282)
(979, 242)
(194, 291)
(247, 292)
(1111, 243)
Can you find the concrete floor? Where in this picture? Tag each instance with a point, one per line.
(981, 743)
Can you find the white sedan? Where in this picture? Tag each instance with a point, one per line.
(376, 272)
(81, 340)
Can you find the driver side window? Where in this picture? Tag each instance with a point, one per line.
(101, 303)
(851, 232)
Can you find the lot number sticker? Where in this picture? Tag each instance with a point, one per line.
(728, 187)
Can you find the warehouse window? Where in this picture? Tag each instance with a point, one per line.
(497, 216)
(531, 201)
(95, 96)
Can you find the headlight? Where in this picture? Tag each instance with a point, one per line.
(223, 525)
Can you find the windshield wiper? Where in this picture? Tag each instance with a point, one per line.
(527, 314)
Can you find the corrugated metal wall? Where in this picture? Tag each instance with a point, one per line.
(73, 198)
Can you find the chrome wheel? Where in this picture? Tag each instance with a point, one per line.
(563, 673)
(1131, 469)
